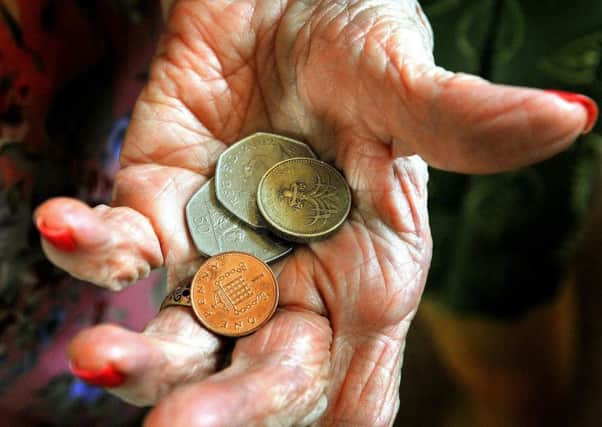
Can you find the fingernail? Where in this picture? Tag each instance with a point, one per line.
(60, 238)
(588, 103)
(105, 377)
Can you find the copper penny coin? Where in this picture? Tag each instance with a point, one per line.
(234, 294)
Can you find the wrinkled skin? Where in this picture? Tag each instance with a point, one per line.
(355, 79)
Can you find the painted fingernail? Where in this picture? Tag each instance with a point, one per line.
(587, 103)
(105, 377)
(60, 238)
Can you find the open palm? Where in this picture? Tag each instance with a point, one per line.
(356, 80)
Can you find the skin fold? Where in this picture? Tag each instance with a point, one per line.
(357, 81)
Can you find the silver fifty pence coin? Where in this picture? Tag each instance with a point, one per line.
(214, 230)
(240, 168)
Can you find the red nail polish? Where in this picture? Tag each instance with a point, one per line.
(62, 239)
(105, 377)
(588, 103)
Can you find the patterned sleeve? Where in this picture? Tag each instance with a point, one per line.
(67, 84)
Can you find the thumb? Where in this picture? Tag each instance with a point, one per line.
(111, 247)
(463, 123)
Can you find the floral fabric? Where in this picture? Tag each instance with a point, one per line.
(69, 73)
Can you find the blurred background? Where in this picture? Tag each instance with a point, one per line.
(507, 333)
(432, 395)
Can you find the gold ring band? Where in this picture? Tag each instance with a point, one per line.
(180, 296)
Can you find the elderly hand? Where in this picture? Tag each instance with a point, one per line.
(357, 80)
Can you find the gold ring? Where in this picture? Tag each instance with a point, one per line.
(180, 296)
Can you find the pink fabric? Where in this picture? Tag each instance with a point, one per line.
(132, 308)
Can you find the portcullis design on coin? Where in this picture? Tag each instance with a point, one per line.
(234, 294)
(241, 166)
(303, 199)
(215, 230)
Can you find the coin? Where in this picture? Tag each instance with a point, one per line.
(242, 165)
(303, 199)
(234, 294)
(215, 230)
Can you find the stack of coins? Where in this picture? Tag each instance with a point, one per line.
(269, 192)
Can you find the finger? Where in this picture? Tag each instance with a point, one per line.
(111, 247)
(143, 367)
(459, 122)
(277, 377)
(160, 193)
(465, 124)
(392, 91)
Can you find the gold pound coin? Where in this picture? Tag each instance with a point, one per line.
(242, 165)
(303, 199)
